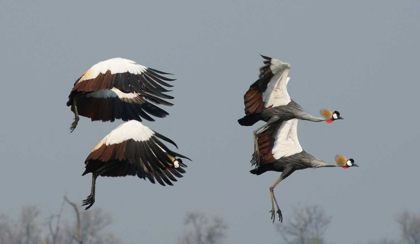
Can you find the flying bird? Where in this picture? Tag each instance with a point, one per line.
(133, 149)
(119, 89)
(268, 100)
(281, 151)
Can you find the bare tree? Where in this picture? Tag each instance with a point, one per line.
(410, 227)
(307, 225)
(202, 230)
(87, 227)
(55, 236)
(386, 241)
(5, 230)
(25, 231)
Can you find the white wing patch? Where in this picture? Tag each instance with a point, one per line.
(111, 93)
(132, 129)
(287, 142)
(115, 65)
(276, 93)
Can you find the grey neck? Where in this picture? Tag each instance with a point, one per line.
(316, 163)
(306, 116)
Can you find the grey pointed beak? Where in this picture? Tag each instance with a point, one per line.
(339, 117)
(355, 165)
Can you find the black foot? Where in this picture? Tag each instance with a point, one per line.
(74, 124)
(90, 200)
(273, 215)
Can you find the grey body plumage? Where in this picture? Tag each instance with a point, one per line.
(302, 160)
(290, 111)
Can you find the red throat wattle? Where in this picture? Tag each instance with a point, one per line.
(345, 167)
(329, 121)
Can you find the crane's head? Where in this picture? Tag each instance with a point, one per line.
(344, 162)
(330, 116)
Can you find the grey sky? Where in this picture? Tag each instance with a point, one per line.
(359, 57)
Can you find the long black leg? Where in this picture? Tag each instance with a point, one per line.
(90, 200)
(76, 116)
(286, 172)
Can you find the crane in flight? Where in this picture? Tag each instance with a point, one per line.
(133, 149)
(267, 99)
(281, 151)
(119, 88)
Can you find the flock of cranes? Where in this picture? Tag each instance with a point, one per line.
(122, 89)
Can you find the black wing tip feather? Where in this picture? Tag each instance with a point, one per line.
(160, 72)
(265, 57)
(159, 75)
(182, 156)
(160, 136)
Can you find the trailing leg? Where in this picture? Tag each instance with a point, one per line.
(90, 200)
(76, 116)
(284, 175)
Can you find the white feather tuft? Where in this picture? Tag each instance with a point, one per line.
(115, 66)
(176, 164)
(132, 129)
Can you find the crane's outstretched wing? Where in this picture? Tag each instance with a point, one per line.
(287, 142)
(134, 149)
(277, 141)
(270, 89)
(129, 88)
(124, 74)
(111, 104)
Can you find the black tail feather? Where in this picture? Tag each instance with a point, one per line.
(257, 171)
(261, 169)
(249, 120)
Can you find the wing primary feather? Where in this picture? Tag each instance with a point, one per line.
(154, 110)
(160, 72)
(160, 81)
(169, 175)
(156, 100)
(265, 57)
(155, 84)
(175, 172)
(160, 136)
(180, 170)
(154, 73)
(158, 178)
(165, 178)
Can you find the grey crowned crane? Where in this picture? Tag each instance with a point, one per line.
(268, 100)
(133, 149)
(280, 151)
(119, 89)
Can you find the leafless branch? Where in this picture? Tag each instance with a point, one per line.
(203, 231)
(410, 227)
(78, 235)
(307, 225)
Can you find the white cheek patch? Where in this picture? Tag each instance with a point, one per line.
(349, 163)
(176, 164)
(335, 116)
